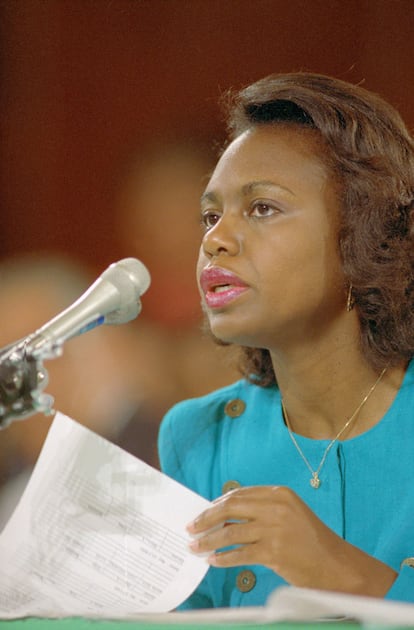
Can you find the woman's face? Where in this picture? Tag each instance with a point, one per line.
(269, 270)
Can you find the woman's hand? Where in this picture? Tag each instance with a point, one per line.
(272, 526)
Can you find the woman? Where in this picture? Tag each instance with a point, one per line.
(307, 264)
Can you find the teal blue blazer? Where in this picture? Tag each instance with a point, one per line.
(236, 436)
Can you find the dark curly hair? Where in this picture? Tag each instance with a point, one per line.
(370, 153)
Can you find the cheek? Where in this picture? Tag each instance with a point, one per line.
(296, 269)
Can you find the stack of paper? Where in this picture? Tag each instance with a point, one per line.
(97, 533)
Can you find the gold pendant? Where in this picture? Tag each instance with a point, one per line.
(315, 482)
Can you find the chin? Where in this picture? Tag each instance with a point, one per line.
(230, 327)
(230, 335)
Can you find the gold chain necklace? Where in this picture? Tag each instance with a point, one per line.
(314, 481)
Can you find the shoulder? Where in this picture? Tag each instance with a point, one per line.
(402, 408)
(191, 418)
(196, 415)
(195, 430)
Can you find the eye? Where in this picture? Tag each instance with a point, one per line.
(262, 209)
(209, 218)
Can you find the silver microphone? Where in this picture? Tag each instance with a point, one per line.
(112, 299)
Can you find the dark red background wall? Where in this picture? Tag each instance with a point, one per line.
(82, 81)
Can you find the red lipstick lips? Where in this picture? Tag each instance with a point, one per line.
(220, 286)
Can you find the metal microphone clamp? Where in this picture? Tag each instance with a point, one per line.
(23, 378)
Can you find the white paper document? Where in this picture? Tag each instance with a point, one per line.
(97, 533)
(293, 604)
(288, 603)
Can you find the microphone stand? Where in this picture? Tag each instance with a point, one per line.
(22, 380)
(112, 299)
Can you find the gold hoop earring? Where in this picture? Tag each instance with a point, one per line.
(350, 299)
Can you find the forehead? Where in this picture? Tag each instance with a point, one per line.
(275, 150)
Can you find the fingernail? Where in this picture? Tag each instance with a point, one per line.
(193, 545)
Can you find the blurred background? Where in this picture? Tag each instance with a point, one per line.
(110, 123)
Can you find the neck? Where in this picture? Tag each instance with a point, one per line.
(321, 393)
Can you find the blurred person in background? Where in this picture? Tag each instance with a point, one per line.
(157, 200)
(94, 381)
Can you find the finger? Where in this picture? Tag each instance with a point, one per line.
(233, 534)
(249, 554)
(248, 492)
(243, 555)
(239, 504)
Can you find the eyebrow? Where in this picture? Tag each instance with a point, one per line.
(250, 188)
(208, 196)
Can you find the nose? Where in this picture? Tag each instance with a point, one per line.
(223, 238)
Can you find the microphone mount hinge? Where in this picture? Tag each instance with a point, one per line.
(23, 378)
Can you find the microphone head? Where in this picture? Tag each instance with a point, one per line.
(131, 279)
(129, 270)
